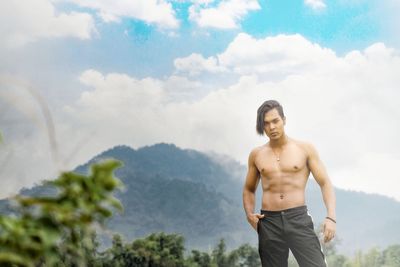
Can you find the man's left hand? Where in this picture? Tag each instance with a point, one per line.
(329, 230)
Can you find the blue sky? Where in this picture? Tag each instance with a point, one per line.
(142, 48)
(341, 25)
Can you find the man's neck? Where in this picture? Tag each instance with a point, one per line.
(279, 142)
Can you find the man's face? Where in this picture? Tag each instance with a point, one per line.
(274, 124)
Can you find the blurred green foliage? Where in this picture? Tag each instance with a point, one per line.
(48, 229)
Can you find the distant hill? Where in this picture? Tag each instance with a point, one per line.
(200, 196)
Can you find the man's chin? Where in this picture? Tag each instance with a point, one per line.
(274, 136)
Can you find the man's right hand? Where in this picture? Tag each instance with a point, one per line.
(254, 218)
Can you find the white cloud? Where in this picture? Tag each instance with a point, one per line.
(315, 4)
(180, 89)
(374, 173)
(147, 114)
(281, 53)
(284, 54)
(196, 64)
(158, 12)
(225, 15)
(118, 90)
(26, 21)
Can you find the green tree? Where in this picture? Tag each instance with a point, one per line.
(199, 259)
(218, 255)
(114, 256)
(391, 256)
(158, 249)
(337, 260)
(246, 256)
(373, 258)
(59, 230)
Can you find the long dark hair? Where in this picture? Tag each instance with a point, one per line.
(264, 108)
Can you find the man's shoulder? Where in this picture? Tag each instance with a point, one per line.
(259, 148)
(254, 152)
(306, 146)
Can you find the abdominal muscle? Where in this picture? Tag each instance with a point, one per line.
(292, 187)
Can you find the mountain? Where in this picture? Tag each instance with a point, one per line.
(200, 196)
(174, 190)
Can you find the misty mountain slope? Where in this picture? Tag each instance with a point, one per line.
(175, 190)
(171, 162)
(200, 196)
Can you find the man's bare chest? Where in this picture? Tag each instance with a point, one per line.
(290, 160)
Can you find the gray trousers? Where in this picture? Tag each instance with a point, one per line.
(287, 229)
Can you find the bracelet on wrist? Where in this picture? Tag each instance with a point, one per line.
(329, 218)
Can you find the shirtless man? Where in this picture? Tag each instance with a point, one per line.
(284, 164)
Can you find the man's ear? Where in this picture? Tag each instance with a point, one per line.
(284, 120)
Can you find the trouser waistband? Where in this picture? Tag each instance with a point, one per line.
(289, 211)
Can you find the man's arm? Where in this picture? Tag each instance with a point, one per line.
(249, 189)
(321, 176)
